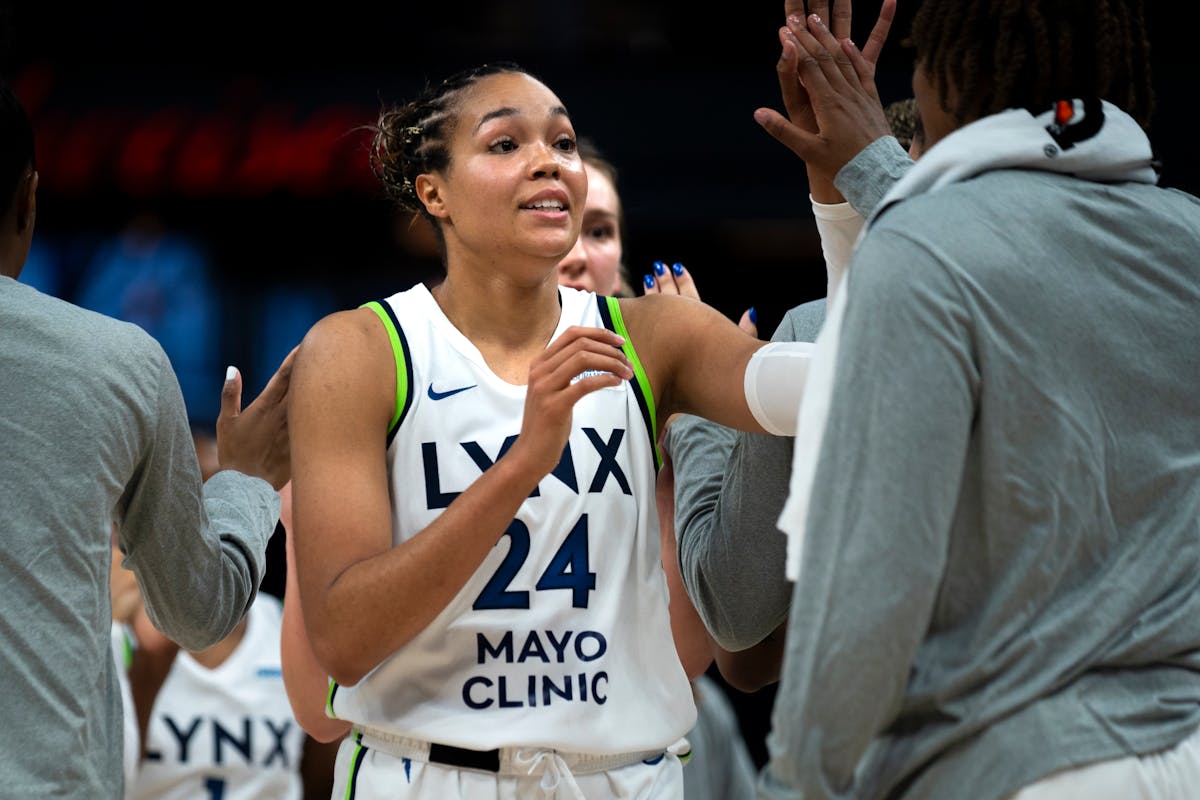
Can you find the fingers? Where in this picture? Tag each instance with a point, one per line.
(231, 393)
(795, 97)
(828, 52)
(879, 34)
(277, 388)
(601, 342)
(585, 360)
(814, 66)
(580, 361)
(842, 14)
(799, 141)
(799, 8)
(862, 67)
(656, 281)
(670, 280)
(684, 284)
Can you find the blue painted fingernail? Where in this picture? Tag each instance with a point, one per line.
(753, 315)
(649, 281)
(677, 269)
(659, 267)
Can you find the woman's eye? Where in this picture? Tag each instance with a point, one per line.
(504, 146)
(566, 144)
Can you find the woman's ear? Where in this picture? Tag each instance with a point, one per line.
(429, 193)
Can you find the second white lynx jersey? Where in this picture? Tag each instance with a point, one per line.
(561, 638)
(226, 733)
(122, 640)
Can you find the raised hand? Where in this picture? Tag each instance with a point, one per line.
(810, 53)
(254, 440)
(579, 362)
(795, 97)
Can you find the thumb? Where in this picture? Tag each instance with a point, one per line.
(791, 136)
(231, 393)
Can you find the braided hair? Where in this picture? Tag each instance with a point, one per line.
(414, 138)
(1002, 54)
(904, 119)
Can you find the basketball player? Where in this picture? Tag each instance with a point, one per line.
(476, 535)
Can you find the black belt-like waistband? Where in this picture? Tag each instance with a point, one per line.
(488, 760)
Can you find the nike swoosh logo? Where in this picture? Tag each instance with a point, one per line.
(435, 395)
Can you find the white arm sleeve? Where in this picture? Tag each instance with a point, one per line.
(774, 384)
(839, 226)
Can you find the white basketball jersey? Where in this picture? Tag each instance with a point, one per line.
(561, 639)
(122, 640)
(226, 733)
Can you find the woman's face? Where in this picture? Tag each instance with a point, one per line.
(515, 188)
(594, 263)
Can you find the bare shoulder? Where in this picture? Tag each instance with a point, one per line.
(692, 353)
(346, 353)
(663, 330)
(344, 336)
(653, 314)
(343, 328)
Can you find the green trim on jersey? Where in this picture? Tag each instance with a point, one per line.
(400, 353)
(356, 759)
(126, 649)
(333, 687)
(639, 373)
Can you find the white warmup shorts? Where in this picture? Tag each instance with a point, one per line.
(372, 769)
(1172, 774)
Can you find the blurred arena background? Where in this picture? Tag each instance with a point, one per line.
(203, 170)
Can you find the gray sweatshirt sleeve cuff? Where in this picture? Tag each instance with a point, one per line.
(243, 510)
(870, 174)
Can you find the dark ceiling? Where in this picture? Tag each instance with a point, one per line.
(666, 89)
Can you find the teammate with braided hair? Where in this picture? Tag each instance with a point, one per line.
(994, 511)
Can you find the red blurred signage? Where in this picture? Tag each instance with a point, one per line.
(182, 151)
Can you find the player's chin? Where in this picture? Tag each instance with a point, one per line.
(550, 248)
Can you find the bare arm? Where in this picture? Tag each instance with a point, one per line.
(751, 669)
(152, 662)
(317, 762)
(306, 682)
(694, 356)
(363, 598)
